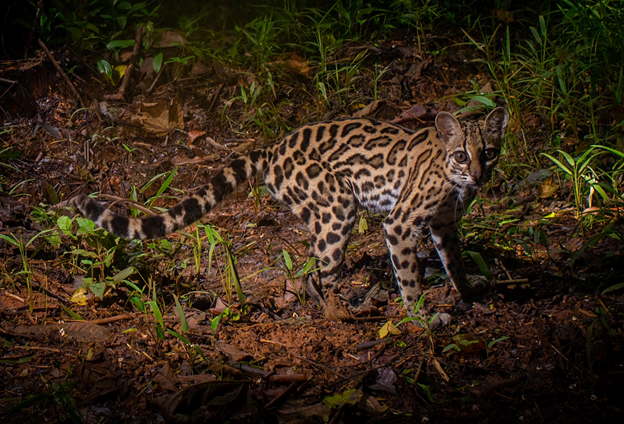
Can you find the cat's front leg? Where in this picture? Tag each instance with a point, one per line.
(445, 238)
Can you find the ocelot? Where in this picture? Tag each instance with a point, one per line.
(324, 171)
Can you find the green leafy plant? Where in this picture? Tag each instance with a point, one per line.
(582, 175)
(228, 313)
(493, 342)
(300, 274)
(221, 247)
(95, 262)
(22, 247)
(260, 37)
(418, 319)
(61, 395)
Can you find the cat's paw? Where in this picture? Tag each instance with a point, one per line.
(477, 284)
(335, 308)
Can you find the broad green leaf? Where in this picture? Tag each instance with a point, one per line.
(64, 223)
(179, 336)
(558, 163)
(181, 316)
(157, 64)
(122, 44)
(98, 289)
(613, 288)
(85, 226)
(122, 275)
(71, 313)
(11, 240)
(493, 342)
(138, 303)
(122, 21)
(451, 346)
(483, 268)
(287, 259)
(214, 323)
(427, 392)
(486, 101)
(156, 310)
(105, 68)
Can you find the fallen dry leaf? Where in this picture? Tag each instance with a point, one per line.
(192, 135)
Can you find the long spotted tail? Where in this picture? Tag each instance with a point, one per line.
(189, 210)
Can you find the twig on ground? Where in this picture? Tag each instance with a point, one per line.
(373, 343)
(151, 87)
(513, 281)
(125, 82)
(63, 74)
(134, 204)
(8, 81)
(268, 375)
(487, 389)
(104, 320)
(283, 393)
(47, 349)
(217, 145)
(214, 98)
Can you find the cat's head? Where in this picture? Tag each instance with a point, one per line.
(472, 148)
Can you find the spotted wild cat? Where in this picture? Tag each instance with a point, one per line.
(324, 171)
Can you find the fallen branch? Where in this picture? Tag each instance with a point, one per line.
(125, 82)
(8, 81)
(248, 368)
(373, 343)
(47, 349)
(287, 378)
(217, 145)
(283, 393)
(214, 98)
(104, 320)
(496, 384)
(63, 74)
(513, 281)
(268, 375)
(151, 87)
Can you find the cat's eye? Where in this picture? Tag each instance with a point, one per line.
(490, 153)
(460, 157)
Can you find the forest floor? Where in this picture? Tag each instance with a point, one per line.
(543, 345)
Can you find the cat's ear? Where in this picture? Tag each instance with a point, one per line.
(496, 122)
(447, 126)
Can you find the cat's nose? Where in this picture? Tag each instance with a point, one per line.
(475, 175)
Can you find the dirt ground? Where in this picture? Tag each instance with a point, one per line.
(542, 346)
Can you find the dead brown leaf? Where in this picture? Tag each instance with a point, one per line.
(192, 135)
(547, 188)
(161, 118)
(232, 352)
